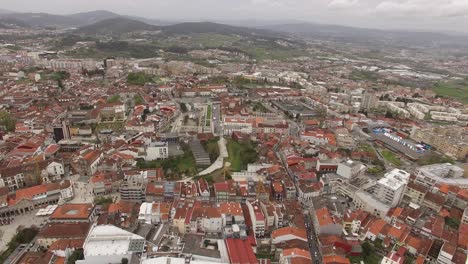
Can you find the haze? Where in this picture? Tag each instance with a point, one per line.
(427, 15)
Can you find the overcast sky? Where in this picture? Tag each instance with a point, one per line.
(431, 15)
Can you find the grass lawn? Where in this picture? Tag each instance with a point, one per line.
(391, 157)
(240, 154)
(457, 90)
(184, 164)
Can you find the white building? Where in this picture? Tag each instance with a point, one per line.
(391, 187)
(257, 218)
(238, 125)
(55, 170)
(110, 244)
(350, 169)
(446, 253)
(157, 150)
(444, 173)
(369, 203)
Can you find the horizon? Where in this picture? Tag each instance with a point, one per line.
(441, 16)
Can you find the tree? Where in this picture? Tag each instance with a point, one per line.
(7, 121)
(114, 99)
(183, 107)
(76, 255)
(124, 261)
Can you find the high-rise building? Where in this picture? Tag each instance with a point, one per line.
(391, 187)
(369, 101)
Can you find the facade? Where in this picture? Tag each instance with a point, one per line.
(391, 187)
(415, 192)
(257, 218)
(449, 140)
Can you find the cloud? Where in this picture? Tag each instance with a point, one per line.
(340, 4)
(423, 8)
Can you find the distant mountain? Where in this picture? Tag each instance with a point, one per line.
(12, 23)
(116, 26)
(120, 25)
(368, 36)
(4, 11)
(42, 19)
(210, 27)
(88, 18)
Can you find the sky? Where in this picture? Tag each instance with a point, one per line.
(427, 15)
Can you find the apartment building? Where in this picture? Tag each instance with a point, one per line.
(391, 187)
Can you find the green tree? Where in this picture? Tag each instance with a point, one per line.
(138, 99)
(124, 261)
(7, 121)
(114, 99)
(183, 107)
(76, 255)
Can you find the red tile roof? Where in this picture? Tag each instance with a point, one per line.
(72, 211)
(293, 231)
(297, 253)
(240, 251)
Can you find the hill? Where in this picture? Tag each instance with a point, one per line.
(8, 23)
(42, 19)
(4, 11)
(116, 26)
(210, 27)
(88, 18)
(369, 36)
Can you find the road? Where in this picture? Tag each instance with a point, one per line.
(308, 218)
(216, 120)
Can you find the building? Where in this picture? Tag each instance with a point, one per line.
(53, 232)
(350, 169)
(395, 257)
(447, 252)
(391, 187)
(325, 224)
(240, 251)
(286, 234)
(450, 140)
(133, 187)
(110, 244)
(257, 217)
(157, 151)
(369, 101)
(415, 192)
(295, 255)
(465, 216)
(74, 213)
(444, 173)
(365, 201)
